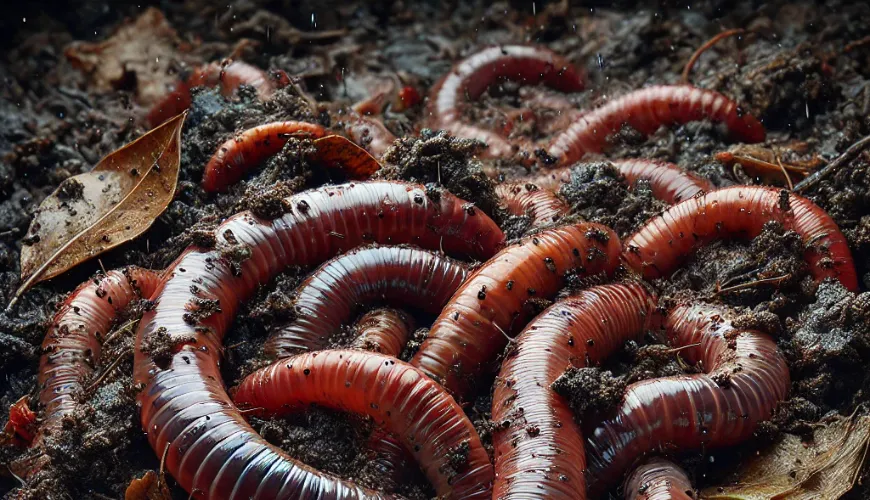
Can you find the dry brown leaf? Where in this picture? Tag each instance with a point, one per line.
(138, 54)
(339, 152)
(793, 470)
(148, 487)
(96, 211)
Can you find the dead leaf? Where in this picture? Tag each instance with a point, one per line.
(96, 211)
(148, 487)
(137, 56)
(793, 470)
(336, 151)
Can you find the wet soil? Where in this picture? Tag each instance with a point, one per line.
(793, 71)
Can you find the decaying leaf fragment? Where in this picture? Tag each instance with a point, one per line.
(137, 56)
(96, 211)
(341, 153)
(149, 487)
(824, 469)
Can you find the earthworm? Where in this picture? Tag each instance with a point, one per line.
(473, 327)
(250, 148)
(541, 206)
(538, 446)
(229, 76)
(73, 342)
(470, 77)
(369, 133)
(383, 330)
(646, 110)
(185, 410)
(658, 479)
(744, 377)
(328, 298)
(658, 248)
(431, 425)
(669, 183)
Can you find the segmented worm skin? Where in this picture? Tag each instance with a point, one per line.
(369, 133)
(473, 327)
(745, 377)
(73, 342)
(538, 447)
(250, 148)
(229, 77)
(668, 182)
(329, 298)
(431, 425)
(210, 449)
(658, 248)
(543, 207)
(470, 78)
(383, 330)
(658, 479)
(646, 110)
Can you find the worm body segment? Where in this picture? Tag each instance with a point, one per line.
(658, 479)
(432, 426)
(383, 330)
(470, 78)
(542, 206)
(473, 327)
(250, 148)
(646, 110)
(185, 410)
(745, 376)
(539, 449)
(327, 299)
(658, 248)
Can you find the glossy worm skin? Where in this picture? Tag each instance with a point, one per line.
(73, 342)
(328, 298)
(646, 110)
(658, 248)
(473, 327)
(745, 376)
(250, 148)
(369, 133)
(383, 330)
(228, 76)
(668, 182)
(538, 446)
(431, 425)
(658, 479)
(210, 449)
(542, 206)
(470, 78)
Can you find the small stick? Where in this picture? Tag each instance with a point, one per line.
(775, 280)
(849, 155)
(711, 42)
(96, 383)
(784, 173)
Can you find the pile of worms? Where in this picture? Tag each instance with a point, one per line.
(378, 248)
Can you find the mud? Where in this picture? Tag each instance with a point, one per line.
(792, 71)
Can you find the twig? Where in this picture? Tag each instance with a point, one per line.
(126, 327)
(711, 42)
(96, 383)
(849, 155)
(775, 280)
(784, 173)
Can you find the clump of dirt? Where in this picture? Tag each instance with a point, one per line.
(598, 193)
(437, 158)
(590, 389)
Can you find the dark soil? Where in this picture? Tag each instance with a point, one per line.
(793, 72)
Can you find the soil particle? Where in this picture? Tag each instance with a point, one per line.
(590, 389)
(414, 342)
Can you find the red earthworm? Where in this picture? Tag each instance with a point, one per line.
(209, 447)
(432, 426)
(73, 342)
(246, 150)
(744, 377)
(329, 298)
(658, 479)
(668, 181)
(470, 77)
(473, 327)
(538, 446)
(228, 75)
(369, 133)
(383, 330)
(541, 206)
(658, 247)
(646, 110)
